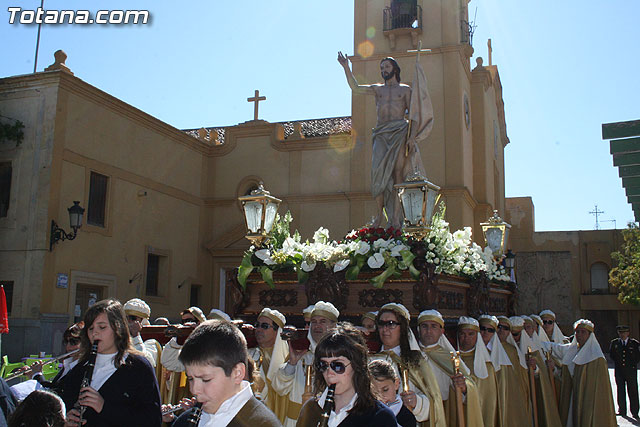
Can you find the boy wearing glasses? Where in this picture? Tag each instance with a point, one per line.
(268, 356)
(215, 357)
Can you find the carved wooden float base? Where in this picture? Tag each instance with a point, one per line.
(453, 296)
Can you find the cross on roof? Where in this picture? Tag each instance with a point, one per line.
(596, 212)
(256, 99)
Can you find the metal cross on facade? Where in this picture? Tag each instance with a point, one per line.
(596, 212)
(256, 99)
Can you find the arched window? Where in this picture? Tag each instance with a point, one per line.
(599, 278)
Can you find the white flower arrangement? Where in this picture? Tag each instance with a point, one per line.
(450, 253)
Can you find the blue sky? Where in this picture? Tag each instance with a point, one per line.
(566, 67)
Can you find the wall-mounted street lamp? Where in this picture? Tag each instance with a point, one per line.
(418, 198)
(260, 209)
(496, 234)
(75, 220)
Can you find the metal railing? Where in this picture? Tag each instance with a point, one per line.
(402, 15)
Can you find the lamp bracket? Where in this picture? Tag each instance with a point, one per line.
(58, 234)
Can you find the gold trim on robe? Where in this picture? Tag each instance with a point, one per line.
(548, 414)
(473, 413)
(487, 390)
(588, 395)
(513, 391)
(279, 405)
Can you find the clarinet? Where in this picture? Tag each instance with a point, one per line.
(194, 416)
(88, 374)
(328, 407)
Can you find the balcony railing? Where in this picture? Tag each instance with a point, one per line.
(402, 15)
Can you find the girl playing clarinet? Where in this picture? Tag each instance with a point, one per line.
(122, 390)
(341, 361)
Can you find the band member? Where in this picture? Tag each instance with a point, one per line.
(341, 362)
(291, 378)
(386, 386)
(174, 387)
(138, 313)
(269, 356)
(171, 350)
(215, 357)
(71, 342)
(438, 350)
(421, 393)
(123, 389)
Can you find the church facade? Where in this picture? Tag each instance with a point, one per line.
(162, 221)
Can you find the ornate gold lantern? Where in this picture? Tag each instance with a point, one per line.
(418, 198)
(260, 209)
(496, 234)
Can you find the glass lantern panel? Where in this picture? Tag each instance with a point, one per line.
(270, 216)
(494, 239)
(412, 203)
(432, 196)
(253, 214)
(75, 220)
(506, 236)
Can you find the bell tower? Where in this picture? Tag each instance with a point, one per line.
(392, 28)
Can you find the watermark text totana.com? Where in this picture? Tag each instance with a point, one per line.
(18, 15)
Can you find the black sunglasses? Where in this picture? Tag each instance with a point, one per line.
(132, 318)
(72, 341)
(265, 325)
(391, 324)
(548, 322)
(485, 329)
(504, 328)
(337, 366)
